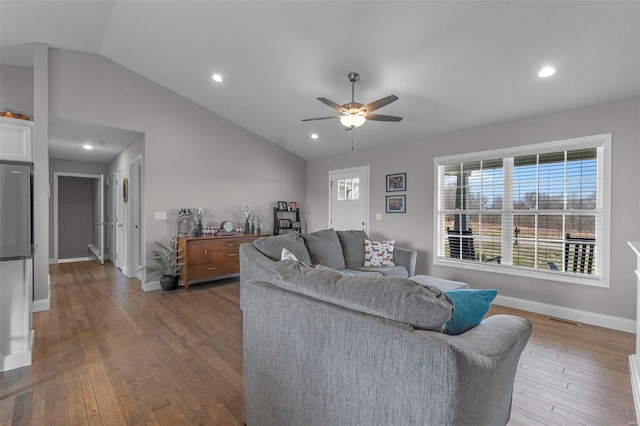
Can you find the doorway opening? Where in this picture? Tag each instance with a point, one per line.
(78, 217)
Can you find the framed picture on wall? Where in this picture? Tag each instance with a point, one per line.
(396, 203)
(397, 182)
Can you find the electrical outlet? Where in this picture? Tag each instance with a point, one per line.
(378, 216)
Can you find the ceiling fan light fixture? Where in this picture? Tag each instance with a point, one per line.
(352, 120)
(546, 72)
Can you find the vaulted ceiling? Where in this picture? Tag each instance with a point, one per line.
(454, 65)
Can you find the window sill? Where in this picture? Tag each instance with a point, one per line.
(565, 277)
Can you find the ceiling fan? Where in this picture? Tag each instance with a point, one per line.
(355, 114)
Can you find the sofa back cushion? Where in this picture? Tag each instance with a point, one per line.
(352, 243)
(324, 248)
(395, 298)
(272, 246)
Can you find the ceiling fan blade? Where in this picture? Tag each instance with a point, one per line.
(379, 117)
(332, 104)
(379, 103)
(319, 118)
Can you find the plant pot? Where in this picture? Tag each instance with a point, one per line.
(168, 282)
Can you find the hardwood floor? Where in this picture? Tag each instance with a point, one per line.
(108, 353)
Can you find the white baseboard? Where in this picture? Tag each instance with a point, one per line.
(40, 305)
(13, 361)
(74, 259)
(586, 317)
(151, 285)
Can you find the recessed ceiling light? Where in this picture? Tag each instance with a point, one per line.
(217, 78)
(314, 136)
(546, 72)
(87, 146)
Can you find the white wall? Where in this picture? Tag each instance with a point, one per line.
(16, 89)
(415, 228)
(192, 157)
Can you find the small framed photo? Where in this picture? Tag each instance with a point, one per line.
(282, 205)
(397, 182)
(293, 206)
(396, 203)
(295, 225)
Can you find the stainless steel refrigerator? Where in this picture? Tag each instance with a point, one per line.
(16, 201)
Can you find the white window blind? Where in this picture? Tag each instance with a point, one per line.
(538, 210)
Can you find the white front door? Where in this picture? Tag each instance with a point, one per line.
(349, 199)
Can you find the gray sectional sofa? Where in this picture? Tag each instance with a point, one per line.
(341, 250)
(321, 347)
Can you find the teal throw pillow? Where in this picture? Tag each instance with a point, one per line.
(470, 307)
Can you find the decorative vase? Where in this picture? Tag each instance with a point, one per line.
(253, 228)
(168, 282)
(183, 227)
(258, 230)
(247, 227)
(197, 230)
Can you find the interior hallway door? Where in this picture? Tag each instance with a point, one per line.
(119, 221)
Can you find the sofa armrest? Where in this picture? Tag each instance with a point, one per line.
(407, 258)
(485, 357)
(254, 266)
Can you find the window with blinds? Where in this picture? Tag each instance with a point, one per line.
(538, 210)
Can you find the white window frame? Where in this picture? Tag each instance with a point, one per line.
(601, 141)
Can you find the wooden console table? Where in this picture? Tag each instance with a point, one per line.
(211, 257)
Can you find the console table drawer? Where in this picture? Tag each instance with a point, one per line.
(213, 270)
(202, 254)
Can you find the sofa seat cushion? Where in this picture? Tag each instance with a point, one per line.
(352, 243)
(442, 284)
(387, 271)
(393, 298)
(324, 248)
(272, 247)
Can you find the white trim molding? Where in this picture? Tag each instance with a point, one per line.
(151, 285)
(40, 305)
(577, 315)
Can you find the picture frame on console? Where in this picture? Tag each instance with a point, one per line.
(397, 182)
(396, 203)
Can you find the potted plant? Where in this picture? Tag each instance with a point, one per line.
(167, 264)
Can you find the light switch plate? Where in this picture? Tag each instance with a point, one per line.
(161, 215)
(378, 216)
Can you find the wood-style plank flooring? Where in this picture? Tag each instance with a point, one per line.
(108, 353)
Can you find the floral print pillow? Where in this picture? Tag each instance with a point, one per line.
(378, 253)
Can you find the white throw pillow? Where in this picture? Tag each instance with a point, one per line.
(286, 254)
(378, 253)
